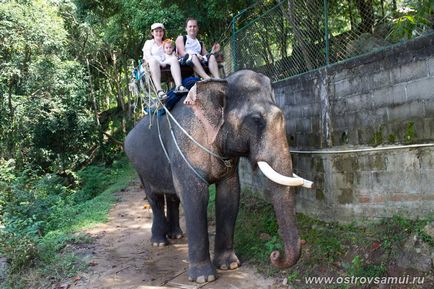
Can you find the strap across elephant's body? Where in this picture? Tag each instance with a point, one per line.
(161, 140)
(226, 161)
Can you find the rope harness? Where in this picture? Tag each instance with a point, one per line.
(226, 161)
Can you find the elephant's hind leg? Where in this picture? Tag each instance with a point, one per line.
(160, 225)
(175, 232)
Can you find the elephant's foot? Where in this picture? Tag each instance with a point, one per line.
(175, 234)
(159, 242)
(226, 260)
(202, 273)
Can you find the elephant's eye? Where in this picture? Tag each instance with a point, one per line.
(258, 120)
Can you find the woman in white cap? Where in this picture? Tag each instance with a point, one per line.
(153, 54)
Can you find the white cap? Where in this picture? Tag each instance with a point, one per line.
(157, 25)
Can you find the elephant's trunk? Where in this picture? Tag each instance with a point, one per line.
(284, 207)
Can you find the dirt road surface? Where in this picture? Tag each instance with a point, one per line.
(121, 256)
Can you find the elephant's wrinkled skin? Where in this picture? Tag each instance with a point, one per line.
(237, 118)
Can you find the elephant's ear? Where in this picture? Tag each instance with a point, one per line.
(207, 100)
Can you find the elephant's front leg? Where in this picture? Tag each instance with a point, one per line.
(227, 204)
(194, 198)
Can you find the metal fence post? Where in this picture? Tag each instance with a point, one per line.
(234, 37)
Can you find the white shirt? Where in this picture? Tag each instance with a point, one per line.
(152, 49)
(192, 46)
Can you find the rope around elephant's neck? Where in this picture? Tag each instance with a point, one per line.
(161, 140)
(226, 161)
(183, 156)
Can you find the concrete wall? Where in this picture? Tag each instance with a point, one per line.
(375, 101)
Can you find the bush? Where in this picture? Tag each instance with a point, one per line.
(39, 211)
(20, 248)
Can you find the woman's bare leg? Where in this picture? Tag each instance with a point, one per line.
(154, 67)
(175, 70)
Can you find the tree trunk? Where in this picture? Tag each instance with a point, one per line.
(382, 9)
(119, 95)
(291, 16)
(95, 111)
(394, 9)
(316, 9)
(92, 94)
(10, 135)
(284, 37)
(129, 93)
(366, 11)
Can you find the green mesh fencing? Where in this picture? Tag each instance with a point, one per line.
(294, 36)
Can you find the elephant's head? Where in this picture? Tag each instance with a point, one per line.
(242, 118)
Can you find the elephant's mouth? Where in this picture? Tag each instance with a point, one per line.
(274, 176)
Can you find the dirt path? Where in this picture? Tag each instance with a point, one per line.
(122, 257)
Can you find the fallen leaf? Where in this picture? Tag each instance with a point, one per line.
(375, 245)
(93, 263)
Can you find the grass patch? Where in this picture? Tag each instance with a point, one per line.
(41, 227)
(331, 249)
(256, 231)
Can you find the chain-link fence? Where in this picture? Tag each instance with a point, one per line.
(294, 36)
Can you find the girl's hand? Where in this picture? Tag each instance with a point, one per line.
(215, 48)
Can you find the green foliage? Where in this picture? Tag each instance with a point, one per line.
(377, 137)
(359, 268)
(415, 17)
(256, 233)
(355, 267)
(40, 213)
(397, 229)
(410, 133)
(7, 176)
(44, 123)
(21, 246)
(293, 276)
(211, 202)
(391, 138)
(331, 249)
(326, 238)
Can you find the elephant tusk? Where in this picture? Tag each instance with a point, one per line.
(306, 183)
(270, 173)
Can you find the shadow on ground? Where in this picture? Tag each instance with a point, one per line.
(121, 255)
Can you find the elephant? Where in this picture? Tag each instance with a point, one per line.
(178, 158)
